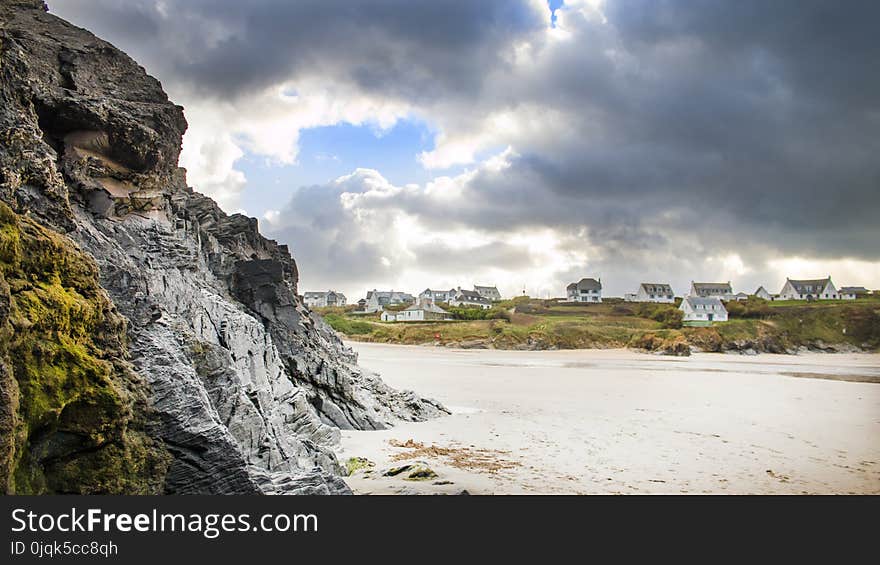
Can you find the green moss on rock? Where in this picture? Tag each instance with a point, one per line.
(76, 413)
(355, 464)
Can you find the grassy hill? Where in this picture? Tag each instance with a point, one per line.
(755, 325)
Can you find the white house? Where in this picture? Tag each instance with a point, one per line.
(652, 292)
(700, 309)
(585, 290)
(705, 290)
(762, 293)
(419, 312)
(469, 299)
(323, 299)
(812, 289)
(490, 292)
(852, 292)
(436, 295)
(377, 300)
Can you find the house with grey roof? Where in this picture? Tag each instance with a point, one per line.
(585, 290)
(490, 292)
(469, 299)
(705, 290)
(436, 295)
(652, 292)
(706, 310)
(418, 312)
(377, 300)
(323, 299)
(809, 289)
(853, 292)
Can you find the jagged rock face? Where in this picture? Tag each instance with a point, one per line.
(248, 387)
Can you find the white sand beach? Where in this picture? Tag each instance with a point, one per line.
(615, 421)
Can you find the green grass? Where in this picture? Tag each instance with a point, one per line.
(348, 326)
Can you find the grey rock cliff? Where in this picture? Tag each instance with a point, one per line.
(249, 388)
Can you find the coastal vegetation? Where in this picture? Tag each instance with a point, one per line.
(755, 325)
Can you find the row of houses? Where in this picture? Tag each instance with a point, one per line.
(705, 303)
(705, 300)
(590, 290)
(480, 296)
(425, 308)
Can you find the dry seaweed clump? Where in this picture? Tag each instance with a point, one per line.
(71, 411)
(469, 458)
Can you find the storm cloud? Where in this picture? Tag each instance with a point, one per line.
(644, 139)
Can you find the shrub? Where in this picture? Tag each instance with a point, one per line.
(667, 314)
(469, 313)
(499, 314)
(753, 308)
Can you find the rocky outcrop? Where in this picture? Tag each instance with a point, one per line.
(248, 389)
(674, 345)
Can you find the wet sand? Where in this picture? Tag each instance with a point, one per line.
(615, 421)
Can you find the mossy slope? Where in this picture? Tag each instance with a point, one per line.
(70, 410)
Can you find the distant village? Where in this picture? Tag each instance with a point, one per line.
(702, 305)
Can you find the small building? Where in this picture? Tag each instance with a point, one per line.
(323, 299)
(377, 300)
(740, 297)
(852, 292)
(489, 292)
(703, 309)
(585, 290)
(652, 292)
(705, 290)
(763, 294)
(809, 289)
(436, 295)
(469, 299)
(419, 312)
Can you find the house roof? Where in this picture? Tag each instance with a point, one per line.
(760, 288)
(585, 284)
(471, 296)
(798, 284)
(853, 289)
(661, 288)
(322, 293)
(388, 294)
(712, 302)
(427, 307)
(478, 288)
(713, 286)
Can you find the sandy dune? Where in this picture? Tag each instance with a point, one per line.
(623, 422)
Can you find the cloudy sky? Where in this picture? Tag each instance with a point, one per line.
(525, 143)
